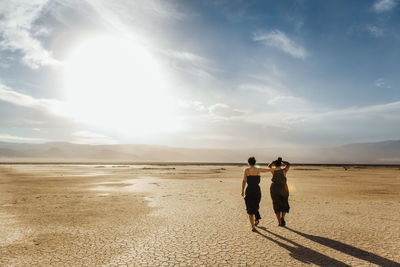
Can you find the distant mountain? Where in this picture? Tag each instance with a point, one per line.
(10, 153)
(387, 152)
(112, 154)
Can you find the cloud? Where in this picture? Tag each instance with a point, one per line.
(266, 89)
(375, 122)
(17, 32)
(274, 96)
(381, 83)
(187, 56)
(191, 63)
(289, 102)
(88, 137)
(194, 105)
(218, 110)
(224, 111)
(279, 40)
(19, 99)
(384, 5)
(353, 115)
(123, 14)
(166, 9)
(375, 31)
(7, 137)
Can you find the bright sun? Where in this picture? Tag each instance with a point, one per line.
(117, 84)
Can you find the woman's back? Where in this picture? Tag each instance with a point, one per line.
(253, 181)
(279, 177)
(252, 177)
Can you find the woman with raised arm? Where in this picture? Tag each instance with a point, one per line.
(279, 189)
(253, 192)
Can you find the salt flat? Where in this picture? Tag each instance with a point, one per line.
(193, 215)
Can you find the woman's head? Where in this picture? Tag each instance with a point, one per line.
(278, 162)
(252, 161)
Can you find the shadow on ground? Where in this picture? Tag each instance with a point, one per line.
(302, 253)
(347, 249)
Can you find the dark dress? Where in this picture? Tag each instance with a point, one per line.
(253, 195)
(279, 194)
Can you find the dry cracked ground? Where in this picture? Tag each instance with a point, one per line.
(193, 215)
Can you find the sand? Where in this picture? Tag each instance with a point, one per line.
(193, 215)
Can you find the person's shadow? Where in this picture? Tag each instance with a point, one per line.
(302, 253)
(347, 249)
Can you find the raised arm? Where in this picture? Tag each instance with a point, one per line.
(287, 166)
(270, 165)
(244, 182)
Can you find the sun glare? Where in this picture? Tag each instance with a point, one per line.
(117, 84)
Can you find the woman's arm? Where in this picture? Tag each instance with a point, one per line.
(244, 182)
(270, 165)
(264, 170)
(287, 167)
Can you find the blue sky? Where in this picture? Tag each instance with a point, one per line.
(200, 73)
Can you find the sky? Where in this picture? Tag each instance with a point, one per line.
(202, 74)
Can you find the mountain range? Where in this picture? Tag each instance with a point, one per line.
(386, 152)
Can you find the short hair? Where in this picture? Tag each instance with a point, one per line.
(252, 161)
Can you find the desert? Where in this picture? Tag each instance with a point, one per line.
(193, 215)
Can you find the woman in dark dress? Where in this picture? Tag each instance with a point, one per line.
(253, 193)
(279, 189)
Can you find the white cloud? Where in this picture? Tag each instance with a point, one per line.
(195, 105)
(88, 137)
(384, 5)
(166, 9)
(19, 99)
(41, 31)
(191, 63)
(353, 116)
(375, 31)
(224, 110)
(17, 31)
(376, 122)
(276, 97)
(122, 14)
(268, 90)
(7, 137)
(187, 56)
(286, 100)
(281, 41)
(381, 83)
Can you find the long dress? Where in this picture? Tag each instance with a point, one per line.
(279, 194)
(253, 195)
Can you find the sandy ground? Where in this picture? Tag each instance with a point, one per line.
(91, 215)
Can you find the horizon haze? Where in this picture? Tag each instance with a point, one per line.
(382, 153)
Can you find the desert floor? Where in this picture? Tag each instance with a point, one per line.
(194, 215)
